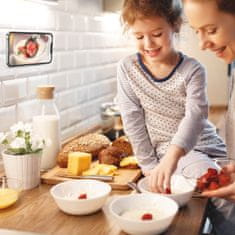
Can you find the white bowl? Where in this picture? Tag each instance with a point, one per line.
(66, 196)
(181, 189)
(137, 204)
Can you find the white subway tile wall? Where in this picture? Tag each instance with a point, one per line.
(88, 44)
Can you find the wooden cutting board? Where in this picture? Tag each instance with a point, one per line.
(119, 183)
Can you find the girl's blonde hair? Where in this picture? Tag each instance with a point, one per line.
(132, 10)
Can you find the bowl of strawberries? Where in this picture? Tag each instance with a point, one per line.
(143, 213)
(80, 197)
(213, 178)
(181, 189)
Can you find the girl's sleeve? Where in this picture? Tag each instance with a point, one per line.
(196, 109)
(134, 122)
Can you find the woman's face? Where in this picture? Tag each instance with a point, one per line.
(215, 29)
(154, 38)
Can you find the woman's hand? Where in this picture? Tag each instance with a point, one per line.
(227, 192)
(159, 179)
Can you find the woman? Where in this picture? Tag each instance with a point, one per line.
(214, 23)
(216, 32)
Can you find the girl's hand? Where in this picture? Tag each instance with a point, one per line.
(160, 176)
(146, 172)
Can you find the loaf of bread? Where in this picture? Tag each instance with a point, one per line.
(111, 155)
(123, 144)
(91, 143)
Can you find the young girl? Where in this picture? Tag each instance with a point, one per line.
(162, 96)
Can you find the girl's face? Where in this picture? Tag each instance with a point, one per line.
(215, 29)
(154, 38)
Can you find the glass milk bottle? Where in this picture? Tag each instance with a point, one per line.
(47, 125)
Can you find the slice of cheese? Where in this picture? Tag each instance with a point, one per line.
(101, 169)
(127, 161)
(78, 162)
(106, 169)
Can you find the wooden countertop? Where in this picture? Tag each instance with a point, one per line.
(37, 212)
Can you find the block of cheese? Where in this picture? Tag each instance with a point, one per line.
(78, 162)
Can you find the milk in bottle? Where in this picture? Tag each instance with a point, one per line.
(47, 125)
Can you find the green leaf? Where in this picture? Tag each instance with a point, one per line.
(5, 141)
(19, 151)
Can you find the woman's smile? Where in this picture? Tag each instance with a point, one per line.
(220, 51)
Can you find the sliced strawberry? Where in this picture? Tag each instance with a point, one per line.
(147, 216)
(82, 196)
(31, 47)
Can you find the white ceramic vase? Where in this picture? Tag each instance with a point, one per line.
(22, 171)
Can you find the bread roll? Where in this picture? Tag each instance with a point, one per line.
(91, 143)
(123, 144)
(111, 155)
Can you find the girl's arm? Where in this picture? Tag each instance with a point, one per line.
(134, 122)
(196, 112)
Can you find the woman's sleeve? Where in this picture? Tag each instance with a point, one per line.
(134, 122)
(196, 110)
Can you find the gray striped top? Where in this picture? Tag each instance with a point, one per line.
(173, 110)
(230, 119)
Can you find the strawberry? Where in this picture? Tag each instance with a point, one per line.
(205, 179)
(200, 185)
(212, 180)
(82, 196)
(212, 171)
(213, 186)
(147, 216)
(168, 191)
(224, 179)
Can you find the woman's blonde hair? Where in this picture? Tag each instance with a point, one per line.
(227, 6)
(171, 10)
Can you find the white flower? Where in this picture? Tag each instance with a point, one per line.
(17, 127)
(37, 143)
(28, 127)
(17, 143)
(20, 140)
